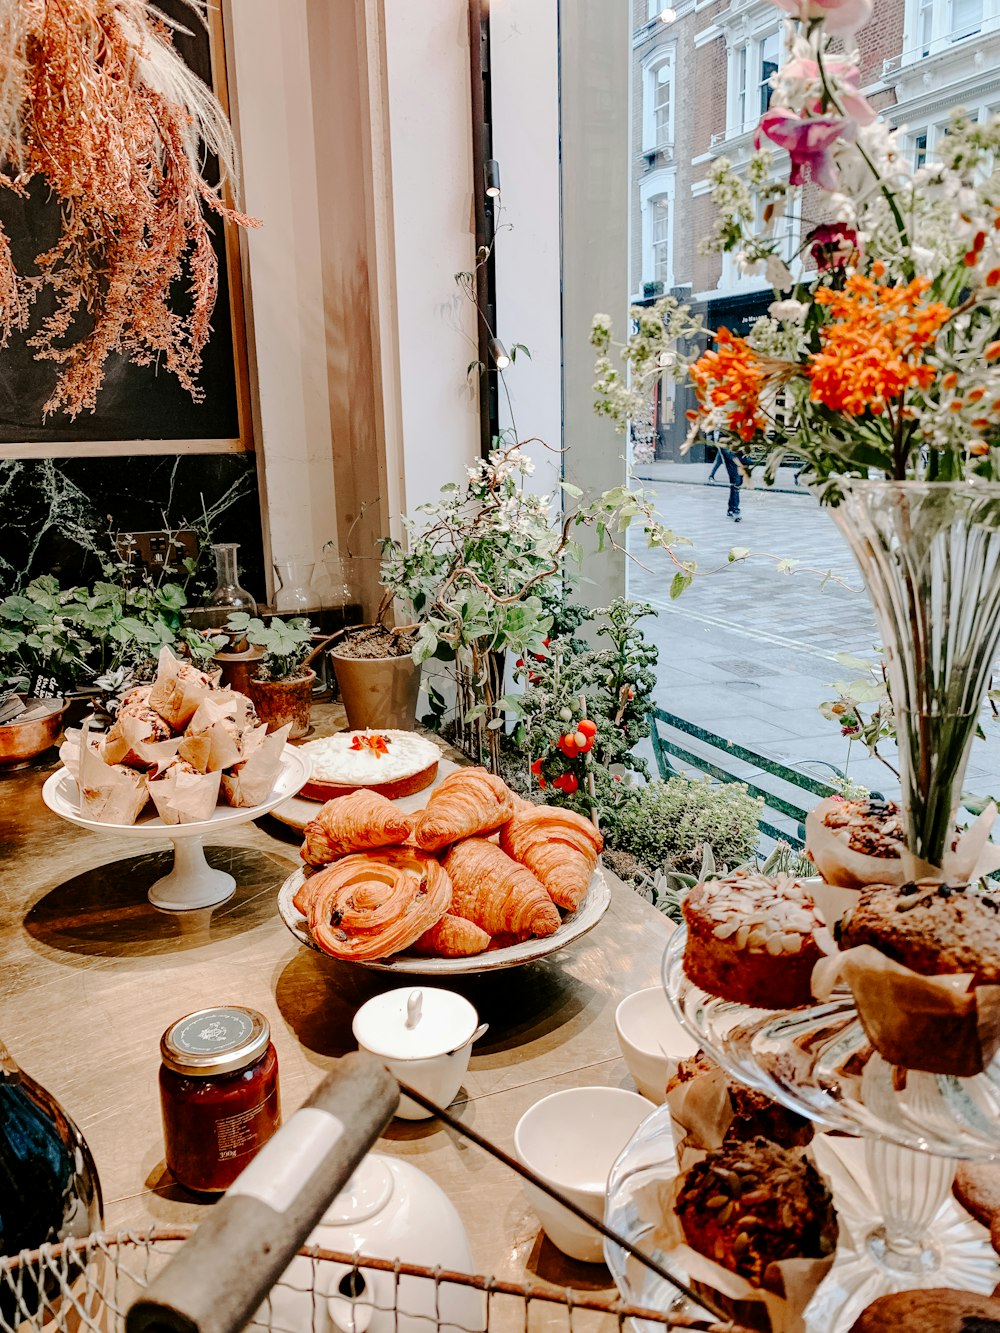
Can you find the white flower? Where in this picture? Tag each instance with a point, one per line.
(747, 266)
(789, 312)
(779, 275)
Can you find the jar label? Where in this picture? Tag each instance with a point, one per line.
(236, 1135)
(278, 1173)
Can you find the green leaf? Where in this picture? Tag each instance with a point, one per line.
(681, 580)
(574, 492)
(738, 553)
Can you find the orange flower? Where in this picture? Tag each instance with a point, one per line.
(731, 378)
(978, 448)
(993, 351)
(872, 350)
(950, 381)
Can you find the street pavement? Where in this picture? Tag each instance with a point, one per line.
(748, 651)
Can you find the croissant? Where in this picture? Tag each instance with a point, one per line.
(496, 893)
(468, 801)
(355, 823)
(371, 905)
(452, 937)
(558, 846)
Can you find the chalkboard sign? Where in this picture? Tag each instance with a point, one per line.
(135, 402)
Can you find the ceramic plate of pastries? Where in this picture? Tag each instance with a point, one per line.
(869, 997)
(477, 879)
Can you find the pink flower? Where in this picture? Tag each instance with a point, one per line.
(840, 16)
(809, 143)
(846, 79)
(833, 246)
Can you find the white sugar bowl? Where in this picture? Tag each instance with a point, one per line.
(424, 1038)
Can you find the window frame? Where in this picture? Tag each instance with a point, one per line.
(661, 58)
(745, 76)
(659, 185)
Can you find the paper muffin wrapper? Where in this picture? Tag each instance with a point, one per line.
(181, 797)
(939, 1025)
(792, 1283)
(217, 729)
(973, 857)
(174, 697)
(700, 1113)
(109, 793)
(252, 780)
(128, 743)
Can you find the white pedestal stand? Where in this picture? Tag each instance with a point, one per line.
(192, 882)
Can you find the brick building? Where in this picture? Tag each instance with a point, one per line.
(700, 81)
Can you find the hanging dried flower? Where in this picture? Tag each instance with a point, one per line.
(95, 98)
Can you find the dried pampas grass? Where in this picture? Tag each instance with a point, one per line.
(95, 98)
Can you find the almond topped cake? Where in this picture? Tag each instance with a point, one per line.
(752, 939)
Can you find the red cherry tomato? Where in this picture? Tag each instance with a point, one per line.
(566, 782)
(536, 767)
(569, 746)
(582, 740)
(541, 782)
(587, 727)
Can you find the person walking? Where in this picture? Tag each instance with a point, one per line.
(735, 474)
(718, 460)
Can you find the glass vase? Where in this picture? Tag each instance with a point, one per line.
(228, 595)
(296, 594)
(930, 556)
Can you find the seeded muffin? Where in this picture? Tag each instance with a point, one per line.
(752, 940)
(749, 1205)
(934, 929)
(869, 825)
(754, 1115)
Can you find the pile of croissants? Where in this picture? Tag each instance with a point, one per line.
(477, 868)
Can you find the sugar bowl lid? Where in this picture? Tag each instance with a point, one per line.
(215, 1041)
(415, 1024)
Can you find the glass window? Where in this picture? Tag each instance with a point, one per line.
(769, 49)
(663, 104)
(925, 25)
(740, 98)
(919, 148)
(660, 238)
(966, 18)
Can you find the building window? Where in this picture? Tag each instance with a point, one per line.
(658, 102)
(751, 65)
(659, 229)
(919, 141)
(966, 18)
(932, 25)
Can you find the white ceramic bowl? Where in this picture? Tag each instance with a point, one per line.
(571, 1140)
(652, 1040)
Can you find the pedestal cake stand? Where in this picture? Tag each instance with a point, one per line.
(899, 1225)
(192, 883)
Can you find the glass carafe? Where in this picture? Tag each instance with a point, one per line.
(296, 596)
(228, 595)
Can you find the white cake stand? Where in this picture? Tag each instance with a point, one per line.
(192, 882)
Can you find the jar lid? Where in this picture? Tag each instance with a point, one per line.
(415, 1024)
(215, 1041)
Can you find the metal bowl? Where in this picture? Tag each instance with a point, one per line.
(22, 741)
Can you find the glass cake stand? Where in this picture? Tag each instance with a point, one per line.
(818, 1061)
(962, 1258)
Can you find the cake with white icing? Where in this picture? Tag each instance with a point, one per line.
(392, 763)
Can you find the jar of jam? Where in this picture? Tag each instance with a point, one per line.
(218, 1095)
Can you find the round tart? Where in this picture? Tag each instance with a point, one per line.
(934, 1310)
(749, 1205)
(932, 928)
(392, 763)
(752, 940)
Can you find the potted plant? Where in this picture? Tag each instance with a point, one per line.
(281, 686)
(378, 678)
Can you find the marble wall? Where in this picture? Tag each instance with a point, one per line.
(57, 514)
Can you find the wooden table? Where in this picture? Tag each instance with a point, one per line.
(92, 974)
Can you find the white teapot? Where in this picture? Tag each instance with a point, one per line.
(388, 1210)
(424, 1037)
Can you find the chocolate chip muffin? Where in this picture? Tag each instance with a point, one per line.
(752, 940)
(869, 826)
(749, 1205)
(754, 1114)
(934, 929)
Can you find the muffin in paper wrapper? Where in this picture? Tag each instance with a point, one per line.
(251, 781)
(972, 858)
(213, 737)
(700, 1114)
(182, 795)
(777, 1308)
(109, 793)
(938, 1024)
(129, 742)
(69, 752)
(179, 688)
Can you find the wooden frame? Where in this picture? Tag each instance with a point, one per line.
(244, 443)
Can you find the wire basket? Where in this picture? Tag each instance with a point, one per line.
(87, 1285)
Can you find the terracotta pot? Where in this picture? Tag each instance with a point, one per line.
(378, 692)
(238, 669)
(281, 701)
(21, 741)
